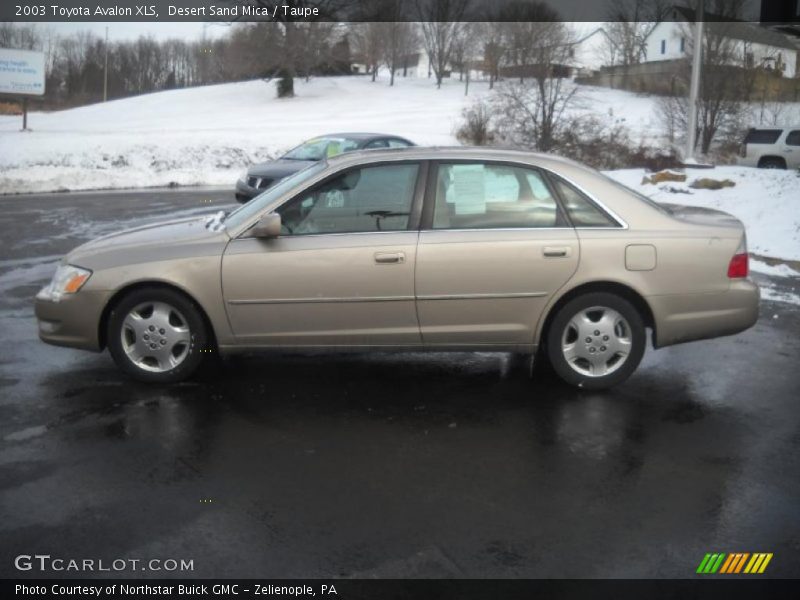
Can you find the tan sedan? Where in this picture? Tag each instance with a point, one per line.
(437, 249)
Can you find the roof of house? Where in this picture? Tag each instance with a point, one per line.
(583, 38)
(739, 30)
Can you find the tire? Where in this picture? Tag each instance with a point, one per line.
(157, 335)
(596, 341)
(772, 163)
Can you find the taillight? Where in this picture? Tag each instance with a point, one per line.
(743, 150)
(738, 267)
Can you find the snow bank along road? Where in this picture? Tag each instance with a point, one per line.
(437, 465)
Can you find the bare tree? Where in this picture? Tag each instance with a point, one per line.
(531, 114)
(727, 78)
(398, 36)
(401, 42)
(629, 24)
(22, 36)
(440, 25)
(462, 41)
(490, 36)
(522, 25)
(369, 41)
(292, 47)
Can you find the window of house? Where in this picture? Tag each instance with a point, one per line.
(360, 200)
(683, 44)
(486, 196)
(663, 46)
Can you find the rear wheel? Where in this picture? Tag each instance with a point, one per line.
(772, 163)
(157, 335)
(596, 341)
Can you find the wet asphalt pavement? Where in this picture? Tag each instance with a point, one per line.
(437, 465)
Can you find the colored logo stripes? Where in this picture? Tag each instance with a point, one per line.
(734, 563)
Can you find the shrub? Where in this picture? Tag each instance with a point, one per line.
(476, 127)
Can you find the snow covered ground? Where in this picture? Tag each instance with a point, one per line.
(766, 201)
(207, 135)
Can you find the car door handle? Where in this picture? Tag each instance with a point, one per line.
(386, 258)
(556, 251)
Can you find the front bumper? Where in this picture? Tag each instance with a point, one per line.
(687, 317)
(74, 321)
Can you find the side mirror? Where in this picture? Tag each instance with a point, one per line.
(268, 226)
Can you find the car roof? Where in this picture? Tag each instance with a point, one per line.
(458, 153)
(360, 135)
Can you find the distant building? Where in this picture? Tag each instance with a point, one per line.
(587, 54)
(753, 45)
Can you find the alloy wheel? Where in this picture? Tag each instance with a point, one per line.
(596, 341)
(155, 336)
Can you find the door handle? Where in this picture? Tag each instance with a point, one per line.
(556, 251)
(387, 258)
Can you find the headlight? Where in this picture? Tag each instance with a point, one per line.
(67, 280)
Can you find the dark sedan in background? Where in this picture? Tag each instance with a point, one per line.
(259, 177)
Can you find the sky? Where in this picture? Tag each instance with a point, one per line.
(188, 31)
(126, 31)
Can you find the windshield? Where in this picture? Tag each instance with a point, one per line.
(248, 210)
(320, 148)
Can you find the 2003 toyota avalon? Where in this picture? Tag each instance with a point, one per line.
(438, 249)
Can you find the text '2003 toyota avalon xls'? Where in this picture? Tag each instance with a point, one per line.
(458, 249)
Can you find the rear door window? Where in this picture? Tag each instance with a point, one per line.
(763, 136)
(492, 196)
(793, 139)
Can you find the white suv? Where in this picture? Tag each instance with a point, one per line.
(771, 148)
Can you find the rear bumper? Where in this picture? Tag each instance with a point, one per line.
(74, 321)
(688, 317)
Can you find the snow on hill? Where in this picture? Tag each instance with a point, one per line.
(207, 135)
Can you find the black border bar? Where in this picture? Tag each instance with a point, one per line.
(733, 588)
(775, 11)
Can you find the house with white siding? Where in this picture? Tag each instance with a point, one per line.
(753, 45)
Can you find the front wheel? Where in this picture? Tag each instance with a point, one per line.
(157, 335)
(596, 341)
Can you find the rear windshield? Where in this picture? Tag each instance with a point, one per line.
(762, 136)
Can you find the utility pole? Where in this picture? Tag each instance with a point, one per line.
(694, 88)
(105, 69)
